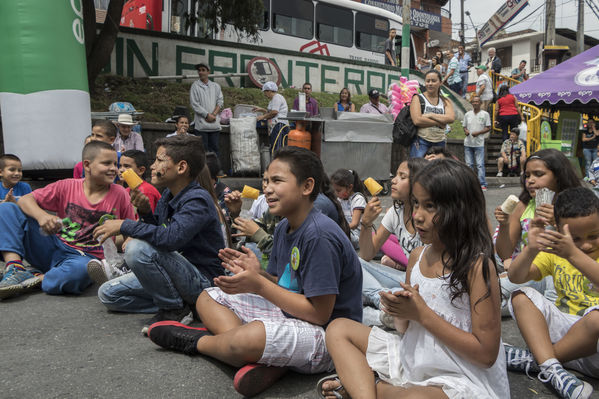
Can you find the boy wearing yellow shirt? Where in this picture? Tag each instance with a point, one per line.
(554, 337)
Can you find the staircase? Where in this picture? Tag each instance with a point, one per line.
(492, 153)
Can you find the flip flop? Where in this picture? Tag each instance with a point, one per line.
(332, 377)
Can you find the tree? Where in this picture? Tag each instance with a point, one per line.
(99, 45)
(243, 15)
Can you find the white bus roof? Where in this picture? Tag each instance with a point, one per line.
(354, 5)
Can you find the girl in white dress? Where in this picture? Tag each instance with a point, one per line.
(447, 316)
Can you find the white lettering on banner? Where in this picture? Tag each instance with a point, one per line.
(424, 19)
(78, 22)
(505, 13)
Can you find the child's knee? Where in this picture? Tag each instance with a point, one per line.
(204, 302)
(73, 281)
(591, 322)
(338, 329)
(519, 300)
(246, 342)
(136, 251)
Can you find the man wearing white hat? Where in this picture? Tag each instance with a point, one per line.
(126, 139)
(275, 114)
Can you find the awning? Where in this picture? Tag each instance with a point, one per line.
(574, 81)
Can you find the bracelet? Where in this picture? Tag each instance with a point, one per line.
(367, 225)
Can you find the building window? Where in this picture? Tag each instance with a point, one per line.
(294, 18)
(264, 21)
(371, 32)
(334, 25)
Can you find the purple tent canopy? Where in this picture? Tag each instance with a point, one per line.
(574, 80)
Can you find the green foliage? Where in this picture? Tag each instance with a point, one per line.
(243, 15)
(158, 98)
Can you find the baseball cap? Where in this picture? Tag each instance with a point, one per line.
(483, 67)
(270, 86)
(373, 93)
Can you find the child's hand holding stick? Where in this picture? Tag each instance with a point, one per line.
(234, 202)
(140, 202)
(557, 243)
(371, 211)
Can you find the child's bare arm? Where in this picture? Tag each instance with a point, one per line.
(522, 268)
(370, 245)
(509, 232)
(355, 218)
(49, 223)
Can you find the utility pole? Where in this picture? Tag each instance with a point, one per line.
(550, 23)
(405, 38)
(462, 39)
(580, 31)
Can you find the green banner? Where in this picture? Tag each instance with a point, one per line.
(42, 46)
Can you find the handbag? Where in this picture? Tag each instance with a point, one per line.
(404, 130)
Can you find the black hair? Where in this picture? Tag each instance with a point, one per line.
(414, 166)
(107, 126)
(178, 117)
(504, 90)
(575, 202)
(523, 61)
(327, 190)
(435, 150)
(8, 157)
(558, 164)
(140, 158)
(93, 148)
(185, 148)
(303, 164)
(346, 177)
(204, 180)
(460, 222)
(440, 77)
(213, 164)
(307, 83)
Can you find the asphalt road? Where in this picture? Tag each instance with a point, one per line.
(71, 347)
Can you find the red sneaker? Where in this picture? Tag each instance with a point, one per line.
(254, 378)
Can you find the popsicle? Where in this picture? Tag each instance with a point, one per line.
(250, 192)
(509, 204)
(373, 186)
(132, 179)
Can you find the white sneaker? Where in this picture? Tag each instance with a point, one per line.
(101, 271)
(499, 174)
(565, 383)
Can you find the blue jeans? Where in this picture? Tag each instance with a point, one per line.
(376, 278)
(590, 154)
(64, 268)
(420, 146)
(160, 280)
(209, 139)
(464, 76)
(476, 154)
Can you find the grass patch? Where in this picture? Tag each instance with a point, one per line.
(158, 98)
(457, 131)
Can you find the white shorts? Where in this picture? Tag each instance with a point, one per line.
(559, 323)
(290, 342)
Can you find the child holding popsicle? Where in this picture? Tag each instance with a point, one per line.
(352, 195)
(134, 164)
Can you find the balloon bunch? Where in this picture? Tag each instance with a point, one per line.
(400, 94)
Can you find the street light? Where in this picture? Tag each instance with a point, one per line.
(475, 33)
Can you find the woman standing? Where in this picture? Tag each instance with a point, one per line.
(431, 123)
(344, 103)
(507, 112)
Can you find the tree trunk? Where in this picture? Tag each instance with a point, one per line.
(98, 47)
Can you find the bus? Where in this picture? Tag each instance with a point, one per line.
(338, 28)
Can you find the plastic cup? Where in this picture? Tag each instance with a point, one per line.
(132, 179)
(373, 186)
(250, 192)
(509, 204)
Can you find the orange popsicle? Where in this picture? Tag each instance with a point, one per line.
(132, 179)
(250, 192)
(373, 186)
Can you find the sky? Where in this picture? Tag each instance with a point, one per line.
(566, 16)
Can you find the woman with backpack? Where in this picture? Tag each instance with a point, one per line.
(431, 119)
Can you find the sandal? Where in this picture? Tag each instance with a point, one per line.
(332, 377)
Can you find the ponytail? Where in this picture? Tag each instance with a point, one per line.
(328, 192)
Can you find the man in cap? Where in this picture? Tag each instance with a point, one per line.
(374, 106)
(126, 138)
(206, 99)
(275, 114)
(484, 87)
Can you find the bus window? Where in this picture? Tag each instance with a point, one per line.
(179, 14)
(334, 25)
(371, 32)
(264, 20)
(294, 18)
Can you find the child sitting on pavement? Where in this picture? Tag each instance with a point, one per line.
(564, 333)
(276, 318)
(173, 252)
(61, 245)
(11, 172)
(78, 169)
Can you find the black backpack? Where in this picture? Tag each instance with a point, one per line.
(404, 130)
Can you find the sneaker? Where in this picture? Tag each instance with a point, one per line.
(101, 271)
(17, 281)
(183, 316)
(566, 384)
(484, 188)
(499, 174)
(519, 359)
(176, 336)
(254, 378)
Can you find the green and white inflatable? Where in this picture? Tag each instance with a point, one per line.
(44, 96)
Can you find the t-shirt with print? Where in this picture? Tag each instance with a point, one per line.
(394, 223)
(575, 293)
(149, 191)
(455, 77)
(318, 259)
(67, 199)
(475, 123)
(20, 189)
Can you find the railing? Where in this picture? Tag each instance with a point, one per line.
(532, 114)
